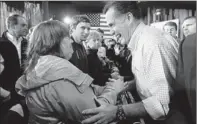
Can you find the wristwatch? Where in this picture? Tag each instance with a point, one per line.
(120, 114)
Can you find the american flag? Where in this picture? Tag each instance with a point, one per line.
(98, 21)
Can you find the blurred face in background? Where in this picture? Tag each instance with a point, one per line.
(171, 30)
(189, 26)
(111, 43)
(94, 43)
(21, 28)
(101, 52)
(94, 40)
(120, 39)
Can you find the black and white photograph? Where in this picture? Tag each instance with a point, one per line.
(97, 62)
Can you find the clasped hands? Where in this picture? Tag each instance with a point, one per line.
(106, 114)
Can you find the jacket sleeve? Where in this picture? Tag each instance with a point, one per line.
(106, 94)
(69, 102)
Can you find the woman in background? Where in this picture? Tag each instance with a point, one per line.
(95, 65)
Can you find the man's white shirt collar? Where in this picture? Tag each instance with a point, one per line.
(13, 39)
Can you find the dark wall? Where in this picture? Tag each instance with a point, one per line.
(18, 5)
(58, 10)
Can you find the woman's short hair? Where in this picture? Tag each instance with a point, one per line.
(45, 40)
(94, 35)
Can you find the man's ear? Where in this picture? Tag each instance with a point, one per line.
(72, 28)
(130, 17)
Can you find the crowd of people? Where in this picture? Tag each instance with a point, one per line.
(55, 73)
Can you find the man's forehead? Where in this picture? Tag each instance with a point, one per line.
(110, 15)
(189, 21)
(22, 20)
(168, 26)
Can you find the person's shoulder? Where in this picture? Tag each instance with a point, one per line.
(189, 40)
(191, 37)
(3, 40)
(158, 39)
(151, 34)
(4, 43)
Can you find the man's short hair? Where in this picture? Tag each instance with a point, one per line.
(12, 20)
(79, 18)
(171, 24)
(189, 17)
(100, 30)
(124, 7)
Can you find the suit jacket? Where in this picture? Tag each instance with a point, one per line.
(186, 76)
(13, 69)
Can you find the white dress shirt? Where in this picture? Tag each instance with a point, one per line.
(16, 42)
(154, 62)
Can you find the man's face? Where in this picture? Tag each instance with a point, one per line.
(81, 31)
(189, 26)
(119, 24)
(21, 28)
(171, 30)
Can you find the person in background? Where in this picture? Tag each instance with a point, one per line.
(12, 50)
(96, 67)
(171, 28)
(189, 26)
(110, 49)
(102, 35)
(154, 63)
(55, 90)
(186, 78)
(123, 59)
(101, 32)
(80, 28)
(107, 65)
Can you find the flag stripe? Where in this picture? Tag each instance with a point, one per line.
(103, 23)
(99, 21)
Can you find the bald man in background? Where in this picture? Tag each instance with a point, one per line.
(189, 26)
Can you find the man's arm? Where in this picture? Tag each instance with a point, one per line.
(109, 93)
(159, 67)
(135, 110)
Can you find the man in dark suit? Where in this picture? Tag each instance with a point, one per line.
(186, 77)
(12, 50)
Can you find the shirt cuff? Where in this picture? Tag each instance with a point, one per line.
(155, 109)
